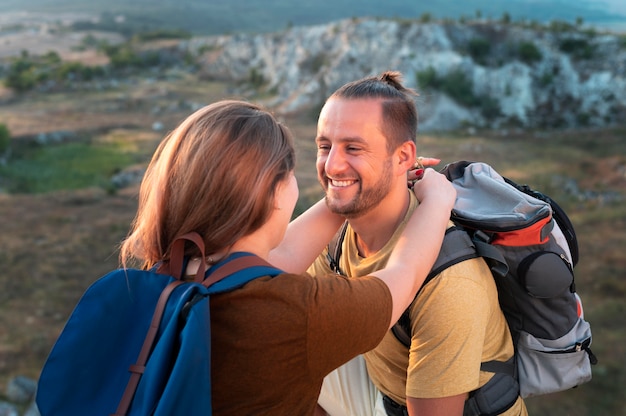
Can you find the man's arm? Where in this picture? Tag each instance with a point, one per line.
(444, 406)
(451, 315)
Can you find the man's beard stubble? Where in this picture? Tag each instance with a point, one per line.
(365, 199)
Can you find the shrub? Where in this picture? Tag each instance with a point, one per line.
(489, 107)
(546, 79)
(578, 48)
(559, 26)
(459, 87)
(314, 63)
(21, 75)
(479, 49)
(77, 71)
(26, 73)
(428, 78)
(426, 18)
(122, 56)
(5, 138)
(255, 78)
(528, 52)
(52, 58)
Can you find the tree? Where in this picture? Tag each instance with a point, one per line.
(21, 75)
(426, 18)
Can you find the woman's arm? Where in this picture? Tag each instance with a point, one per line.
(305, 238)
(420, 242)
(308, 235)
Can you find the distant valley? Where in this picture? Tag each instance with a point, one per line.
(253, 16)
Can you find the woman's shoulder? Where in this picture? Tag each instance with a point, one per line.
(318, 291)
(329, 284)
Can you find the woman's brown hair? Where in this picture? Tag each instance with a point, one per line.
(215, 174)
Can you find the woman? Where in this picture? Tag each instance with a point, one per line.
(227, 172)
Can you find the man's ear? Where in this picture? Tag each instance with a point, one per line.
(406, 154)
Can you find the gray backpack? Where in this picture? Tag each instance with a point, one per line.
(531, 247)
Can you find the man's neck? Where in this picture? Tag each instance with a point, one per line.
(374, 229)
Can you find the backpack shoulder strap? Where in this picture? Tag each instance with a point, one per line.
(236, 271)
(492, 255)
(136, 370)
(334, 249)
(457, 246)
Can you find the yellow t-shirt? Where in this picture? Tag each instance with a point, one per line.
(457, 324)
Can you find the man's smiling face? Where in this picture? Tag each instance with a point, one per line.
(353, 162)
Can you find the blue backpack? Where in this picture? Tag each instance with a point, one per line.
(139, 341)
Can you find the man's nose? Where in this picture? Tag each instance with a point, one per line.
(335, 162)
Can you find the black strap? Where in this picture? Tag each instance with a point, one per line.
(457, 246)
(497, 396)
(334, 249)
(492, 256)
(392, 408)
(504, 367)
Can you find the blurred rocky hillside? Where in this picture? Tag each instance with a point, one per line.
(484, 74)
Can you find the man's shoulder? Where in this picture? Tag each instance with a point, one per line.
(467, 276)
(475, 269)
(321, 265)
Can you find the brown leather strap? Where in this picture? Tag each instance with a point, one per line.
(136, 370)
(177, 256)
(234, 266)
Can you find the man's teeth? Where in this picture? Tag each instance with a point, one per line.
(341, 183)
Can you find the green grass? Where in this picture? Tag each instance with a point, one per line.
(40, 169)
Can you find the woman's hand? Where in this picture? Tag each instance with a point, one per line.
(417, 171)
(436, 186)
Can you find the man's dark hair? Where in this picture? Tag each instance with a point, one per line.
(397, 101)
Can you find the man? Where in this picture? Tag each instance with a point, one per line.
(366, 144)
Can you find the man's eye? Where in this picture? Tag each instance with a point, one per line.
(323, 147)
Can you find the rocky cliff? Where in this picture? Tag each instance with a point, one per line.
(486, 74)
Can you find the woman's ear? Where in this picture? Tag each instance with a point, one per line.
(277, 201)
